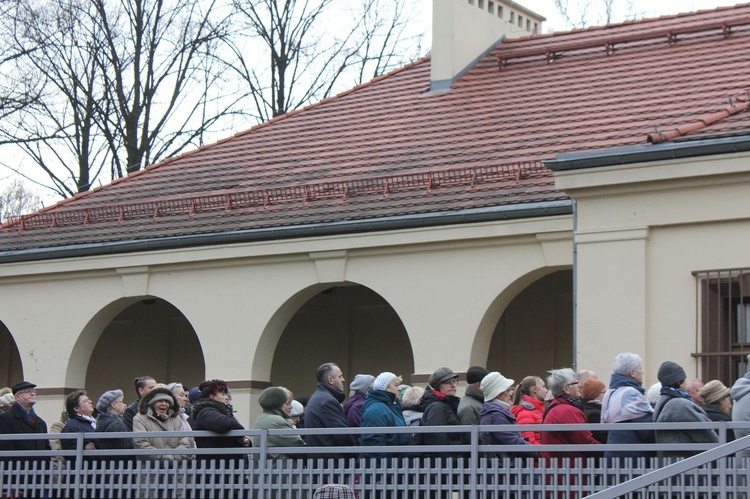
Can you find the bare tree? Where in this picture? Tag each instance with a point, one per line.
(125, 83)
(306, 62)
(583, 13)
(17, 199)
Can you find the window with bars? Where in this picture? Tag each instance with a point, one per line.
(723, 323)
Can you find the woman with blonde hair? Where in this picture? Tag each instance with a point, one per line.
(528, 405)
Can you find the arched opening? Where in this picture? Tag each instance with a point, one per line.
(535, 332)
(147, 337)
(11, 370)
(350, 325)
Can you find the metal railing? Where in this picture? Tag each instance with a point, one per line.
(470, 470)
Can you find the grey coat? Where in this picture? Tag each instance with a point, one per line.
(672, 408)
(741, 408)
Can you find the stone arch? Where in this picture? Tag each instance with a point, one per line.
(11, 367)
(528, 329)
(346, 323)
(134, 336)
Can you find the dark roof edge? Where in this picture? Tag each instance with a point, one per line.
(643, 154)
(495, 213)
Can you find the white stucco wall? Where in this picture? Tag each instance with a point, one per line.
(642, 230)
(443, 283)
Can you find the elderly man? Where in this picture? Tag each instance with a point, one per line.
(21, 418)
(324, 408)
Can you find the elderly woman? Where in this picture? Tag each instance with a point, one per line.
(158, 410)
(184, 402)
(111, 407)
(565, 408)
(382, 408)
(496, 411)
(676, 406)
(80, 410)
(717, 403)
(212, 412)
(439, 406)
(626, 402)
(277, 405)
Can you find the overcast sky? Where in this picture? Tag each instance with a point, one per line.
(625, 9)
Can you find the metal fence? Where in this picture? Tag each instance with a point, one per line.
(469, 471)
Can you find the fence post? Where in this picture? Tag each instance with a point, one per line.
(79, 465)
(263, 458)
(474, 460)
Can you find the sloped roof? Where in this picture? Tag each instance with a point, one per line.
(390, 148)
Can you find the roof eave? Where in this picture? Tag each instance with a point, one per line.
(476, 215)
(644, 154)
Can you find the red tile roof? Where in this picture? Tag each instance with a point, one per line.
(391, 148)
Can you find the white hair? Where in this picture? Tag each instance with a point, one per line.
(558, 379)
(626, 362)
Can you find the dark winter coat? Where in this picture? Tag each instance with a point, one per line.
(383, 409)
(495, 413)
(76, 424)
(112, 422)
(324, 411)
(130, 412)
(212, 415)
(470, 407)
(593, 411)
(15, 421)
(440, 411)
(353, 409)
(715, 414)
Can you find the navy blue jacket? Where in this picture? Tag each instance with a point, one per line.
(324, 411)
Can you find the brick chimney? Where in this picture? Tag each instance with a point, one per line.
(464, 31)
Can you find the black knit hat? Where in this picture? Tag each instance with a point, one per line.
(671, 374)
(476, 374)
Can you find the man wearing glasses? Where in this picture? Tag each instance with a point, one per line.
(21, 418)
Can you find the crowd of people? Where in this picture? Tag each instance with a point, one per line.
(382, 401)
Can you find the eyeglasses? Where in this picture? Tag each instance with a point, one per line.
(28, 390)
(450, 382)
(573, 383)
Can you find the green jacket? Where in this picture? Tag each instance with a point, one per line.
(273, 420)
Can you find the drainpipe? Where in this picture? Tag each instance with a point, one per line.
(575, 286)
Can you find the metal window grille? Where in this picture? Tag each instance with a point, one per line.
(723, 323)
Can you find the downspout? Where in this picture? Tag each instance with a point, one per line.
(575, 286)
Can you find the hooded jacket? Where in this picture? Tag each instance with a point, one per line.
(146, 420)
(741, 407)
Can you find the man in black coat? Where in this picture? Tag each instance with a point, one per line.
(143, 385)
(21, 418)
(324, 409)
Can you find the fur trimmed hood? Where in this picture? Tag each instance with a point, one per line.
(161, 391)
